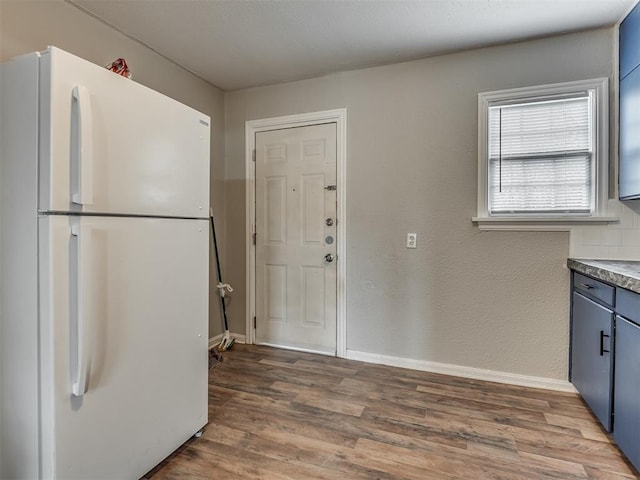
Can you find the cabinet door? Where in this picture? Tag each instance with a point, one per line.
(630, 42)
(630, 136)
(626, 428)
(592, 355)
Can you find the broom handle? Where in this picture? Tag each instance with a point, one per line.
(215, 247)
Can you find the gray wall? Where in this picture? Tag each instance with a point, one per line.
(493, 300)
(490, 300)
(28, 26)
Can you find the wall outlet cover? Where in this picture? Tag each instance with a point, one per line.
(412, 240)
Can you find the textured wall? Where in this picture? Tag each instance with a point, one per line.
(494, 300)
(491, 300)
(28, 26)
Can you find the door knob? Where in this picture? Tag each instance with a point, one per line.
(329, 257)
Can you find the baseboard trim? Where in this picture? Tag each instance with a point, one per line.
(214, 341)
(460, 371)
(435, 367)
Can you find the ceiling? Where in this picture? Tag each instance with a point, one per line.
(235, 44)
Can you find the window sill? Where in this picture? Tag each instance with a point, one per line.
(541, 224)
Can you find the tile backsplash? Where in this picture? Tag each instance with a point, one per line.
(616, 241)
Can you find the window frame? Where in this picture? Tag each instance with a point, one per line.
(600, 166)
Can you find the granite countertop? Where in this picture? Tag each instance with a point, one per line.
(625, 274)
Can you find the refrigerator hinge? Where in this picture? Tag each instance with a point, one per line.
(254, 154)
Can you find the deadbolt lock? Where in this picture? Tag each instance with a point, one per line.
(329, 222)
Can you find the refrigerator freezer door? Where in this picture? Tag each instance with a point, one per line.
(137, 291)
(111, 145)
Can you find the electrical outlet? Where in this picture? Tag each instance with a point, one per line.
(412, 240)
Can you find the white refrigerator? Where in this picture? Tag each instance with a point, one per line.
(104, 270)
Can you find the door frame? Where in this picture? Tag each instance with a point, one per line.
(252, 127)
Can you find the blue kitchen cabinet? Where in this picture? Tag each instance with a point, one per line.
(629, 146)
(630, 42)
(592, 355)
(629, 120)
(605, 356)
(626, 428)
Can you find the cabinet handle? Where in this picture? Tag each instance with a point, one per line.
(602, 336)
(586, 285)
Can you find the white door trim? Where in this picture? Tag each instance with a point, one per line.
(339, 117)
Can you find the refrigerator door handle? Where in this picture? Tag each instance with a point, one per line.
(84, 162)
(84, 308)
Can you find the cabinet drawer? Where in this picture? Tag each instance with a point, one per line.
(594, 288)
(628, 304)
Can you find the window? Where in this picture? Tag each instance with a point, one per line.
(543, 154)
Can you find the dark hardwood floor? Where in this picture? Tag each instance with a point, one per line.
(277, 414)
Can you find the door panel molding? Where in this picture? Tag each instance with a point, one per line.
(339, 117)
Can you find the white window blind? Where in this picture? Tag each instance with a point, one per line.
(540, 155)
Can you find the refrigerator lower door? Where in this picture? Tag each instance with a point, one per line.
(124, 320)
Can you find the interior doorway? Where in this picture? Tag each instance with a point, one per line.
(296, 255)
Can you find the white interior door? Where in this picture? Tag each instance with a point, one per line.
(135, 292)
(296, 238)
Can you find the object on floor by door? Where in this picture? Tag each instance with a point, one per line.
(227, 342)
(215, 357)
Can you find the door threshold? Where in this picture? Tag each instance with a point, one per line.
(329, 353)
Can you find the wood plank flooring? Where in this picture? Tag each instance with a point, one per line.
(277, 414)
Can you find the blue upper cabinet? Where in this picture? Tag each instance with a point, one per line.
(629, 137)
(629, 125)
(630, 42)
